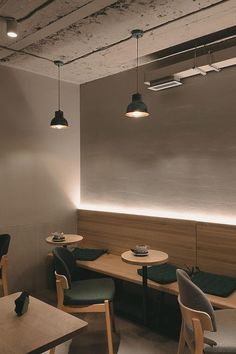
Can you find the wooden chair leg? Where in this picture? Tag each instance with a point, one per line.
(198, 336)
(4, 276)
(112, 317)
(52, 351)
(108, 325)
(182, 343)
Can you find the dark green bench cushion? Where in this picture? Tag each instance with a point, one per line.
(91, 291)
(88, 254)
(162, 273)
(214, 284)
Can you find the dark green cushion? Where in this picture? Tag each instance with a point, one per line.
(214, 284)
(88, 254)
(91, 291)
(162, 274)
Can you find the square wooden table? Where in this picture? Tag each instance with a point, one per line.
(41, 328)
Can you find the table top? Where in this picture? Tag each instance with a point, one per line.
(153, 257)
(41, 328)
(70, 239)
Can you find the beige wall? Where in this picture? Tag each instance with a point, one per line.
(181, 162)
(39, 170)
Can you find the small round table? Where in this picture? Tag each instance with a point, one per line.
(70, 239)
(153, 257)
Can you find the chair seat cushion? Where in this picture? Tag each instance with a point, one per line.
(162, 273)
(90, 291)
(225, 336)
(88, 254)
(219, 285)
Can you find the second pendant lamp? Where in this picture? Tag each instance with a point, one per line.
(137, 108)
(59, 121)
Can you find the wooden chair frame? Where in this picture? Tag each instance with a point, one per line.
(106, 307)
(199, 321)
(4, 274)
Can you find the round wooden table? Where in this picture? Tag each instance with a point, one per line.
(153, 257)
(70, 239)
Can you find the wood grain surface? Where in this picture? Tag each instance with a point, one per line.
(120, 232)
(211, 246)
(41, 328)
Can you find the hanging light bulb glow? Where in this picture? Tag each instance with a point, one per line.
(12, 27)
(137, 108)
(59, 121)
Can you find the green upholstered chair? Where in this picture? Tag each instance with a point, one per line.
(76, 296)
(4, 245)
(203, 329)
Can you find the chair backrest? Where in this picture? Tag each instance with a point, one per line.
(194, 298)
(65, 263)
(4, 244)
(189, 315)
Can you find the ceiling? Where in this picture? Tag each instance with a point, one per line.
(98, 32)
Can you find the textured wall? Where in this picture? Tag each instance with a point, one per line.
(181, 162)
(39, 170)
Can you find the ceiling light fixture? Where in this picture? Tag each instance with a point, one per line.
(12, 25)
(59, 122)
(137, 108)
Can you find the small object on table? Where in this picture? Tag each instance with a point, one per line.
(153, 257)
(22, 303)
(140, 250)
(69, 239)
(58, 236)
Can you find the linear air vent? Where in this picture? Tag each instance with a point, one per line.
(164, 83)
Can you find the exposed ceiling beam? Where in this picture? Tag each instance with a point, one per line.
(192, 44)
(58, 25)
(224, 51)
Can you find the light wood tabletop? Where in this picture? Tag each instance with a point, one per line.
(70, 239)
(153, 257)
(41, 328)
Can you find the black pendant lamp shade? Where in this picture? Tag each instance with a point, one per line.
(59, 121)
(137, 108)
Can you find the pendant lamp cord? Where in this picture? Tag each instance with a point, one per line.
(137, 68)
(59, 88)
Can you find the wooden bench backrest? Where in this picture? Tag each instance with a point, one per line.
(119, 232)
(215, 243)
(216, 248)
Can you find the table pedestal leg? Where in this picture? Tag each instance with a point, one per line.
(145, 295)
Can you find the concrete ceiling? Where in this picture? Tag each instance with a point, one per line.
(98, 32)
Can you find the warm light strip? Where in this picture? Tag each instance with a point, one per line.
(184, 215)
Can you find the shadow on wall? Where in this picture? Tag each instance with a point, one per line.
(39, 170)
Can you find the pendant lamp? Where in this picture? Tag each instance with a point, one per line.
(59, 121)
(137, 108)
(12, 25)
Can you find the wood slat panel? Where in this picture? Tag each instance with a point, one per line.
(119, 232)
(216, 250)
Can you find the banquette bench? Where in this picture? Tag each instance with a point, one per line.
(113, 266)
(211, 247)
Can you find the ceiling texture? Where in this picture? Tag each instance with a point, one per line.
(93, 37)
